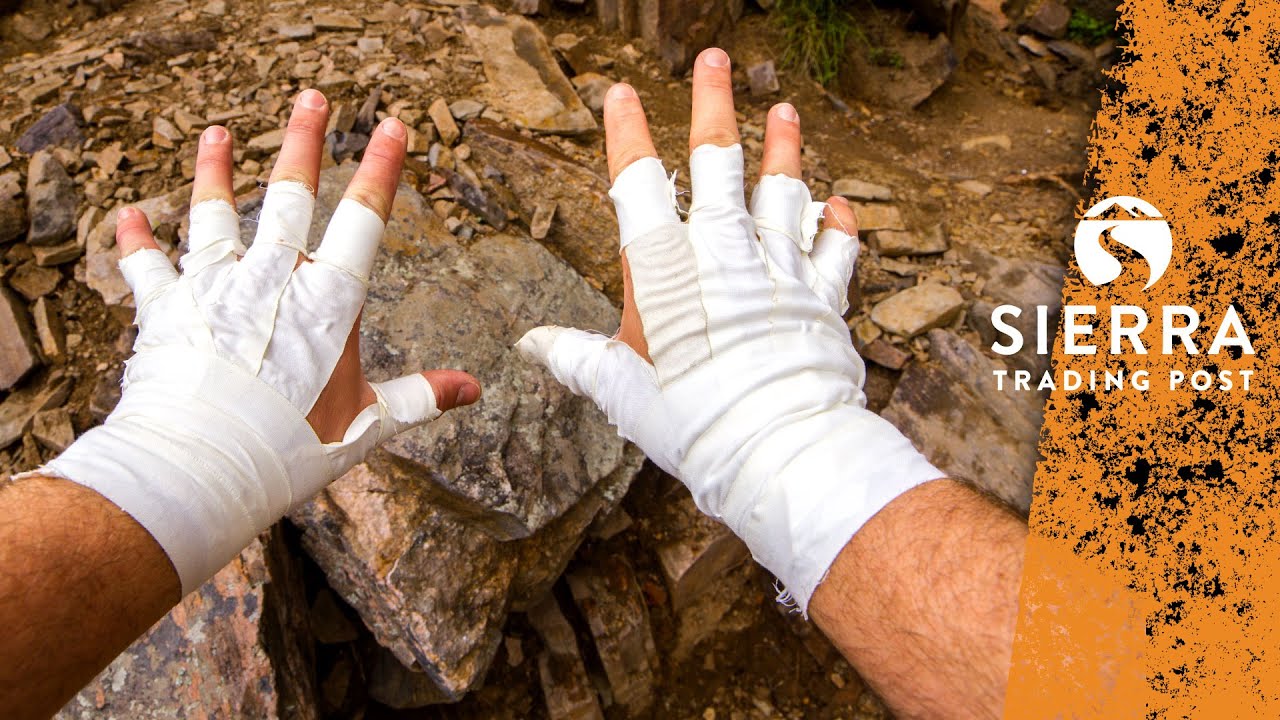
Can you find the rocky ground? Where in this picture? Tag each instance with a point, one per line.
(517, 559)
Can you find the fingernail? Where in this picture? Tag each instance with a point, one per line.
(392, 127)
(621, 91)
(214, 135)
(312, 99)
(715, 57)
(787, 111)
(840, 200)
(468, 394)
(125, 214)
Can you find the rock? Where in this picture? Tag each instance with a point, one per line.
(164, 134)
(855, 189)
(942, 16)
(591, 88)
(268, 142)
(975, 187)
(328, 622)
(917, 309)
(217, 654)
(18, 411)
(543, 214)
(1000, 141)
(42, 90)
(608, 596)
(1033, 45)
(297, 31)
(466, 109)
(925, 66)
(17, 343)
(49, 331)
(1025, 284)
(106, 393)
(566, 688)
(392, 684)
(163, 44)
(33, 281)
(51, 201)
(58, 127)
(676, 31)
(13, 217)
(1075, 54)
(343, 146)
(696, 553)
(54, 255)
(336, 21)
(526, 7)
(885, 355)
(763, 79)
(530, 461)
(531, 172)
(367, 115)
(899, 243)
(52, 429)
(525, 83)
(955, 389)
(442, 116)
(874, 216)
(166, 213)
(1049, 18)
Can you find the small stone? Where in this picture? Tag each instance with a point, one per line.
(165, 134)
(18, 411)
(33, 281)
(367, 115)
(443, 119)
(109, 158)
(875, 216)
(885, 355)
(105, 395)
(540, 226)
(300, 31)
(976, 187)
(13, 217)
(1033, 45)
(369, 44)
(41, 90)
(1075, 54)
(59, 126)
(899, 243)
(855, 189)
(54, 255)
(5, 158)
(608, 595)
(268, 142)
(466, 109)
(515, 650)
(696, 552)
(763, 79)
(566, 687)
(217, 8)
(52, 429)
(336, 21)
(526, 7)
(838, 680)
(17, 343)
(918, 309)
(1049, 19)
(564, 42)
(30, 28)
(345, 145)
(49, 330)
(188, 122)
(1000, 141)
(51, 201)
(591, 88)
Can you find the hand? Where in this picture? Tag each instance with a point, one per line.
(733, 369)
(246, 396)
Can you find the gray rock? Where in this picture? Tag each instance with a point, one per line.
(1024, 284)
(466, 109)
(566, 688)
(608, 596)
(217, 654)
(925, 66)
(855, 189)
(51, 201)
(900, 243)
(59, 126)
(917, 309)
(17, 343)
(1075, 54)
(956, 389)
(297, 31)
(591, 88)
(13, 217)
(1049, 18)
(763, 79)
(18, 411)
(525, 83)
(52, 428)
(528, 173)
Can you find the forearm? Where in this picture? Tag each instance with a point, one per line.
(923, 601)
(79, 581)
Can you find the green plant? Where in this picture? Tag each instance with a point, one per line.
(814, 35)
(1087, 29)
(884, 57)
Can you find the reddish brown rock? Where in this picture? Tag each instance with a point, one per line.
(566, 688)
(608, 595)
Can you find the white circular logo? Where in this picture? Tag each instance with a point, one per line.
(1130, 221)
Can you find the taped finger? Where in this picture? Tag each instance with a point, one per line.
(213, 237)
(285, 218)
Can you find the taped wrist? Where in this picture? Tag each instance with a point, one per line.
(203, 464)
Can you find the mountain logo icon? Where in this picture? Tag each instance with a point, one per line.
(1128, 221)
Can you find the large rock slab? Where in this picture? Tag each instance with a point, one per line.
(525, 81)
(950, 409)
(530, 174)
(216, 654)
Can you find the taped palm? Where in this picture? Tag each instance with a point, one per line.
(755, 390)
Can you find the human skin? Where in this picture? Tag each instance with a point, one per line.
(922, 600)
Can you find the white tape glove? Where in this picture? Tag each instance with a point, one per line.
(210, 442)
(754, 397)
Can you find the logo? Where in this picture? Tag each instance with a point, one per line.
(1131, 222)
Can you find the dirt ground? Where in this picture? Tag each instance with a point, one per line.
(757, 660)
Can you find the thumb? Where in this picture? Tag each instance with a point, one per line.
(596, 366)
(452, 388)
(834, 253)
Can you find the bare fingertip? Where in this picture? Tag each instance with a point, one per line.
(468, 394)
(214, 135)
(786, 111)
(621, 91)
(393, 128)
(312, 99)
(127, 214)
(714, 57)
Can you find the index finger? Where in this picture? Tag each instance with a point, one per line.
(626, 131)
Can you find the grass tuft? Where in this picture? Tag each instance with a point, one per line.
(814, 35)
